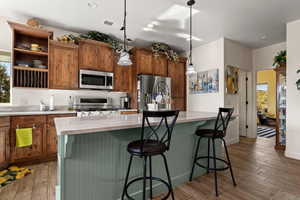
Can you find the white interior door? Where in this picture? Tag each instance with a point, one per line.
(243, 103)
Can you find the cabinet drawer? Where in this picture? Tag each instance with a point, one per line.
(4, 121)
(20, 120)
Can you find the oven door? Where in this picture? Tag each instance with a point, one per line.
(92, 79)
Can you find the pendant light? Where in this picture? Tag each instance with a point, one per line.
(124, 59)
(190, 68)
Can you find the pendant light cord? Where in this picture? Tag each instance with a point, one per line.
(124, 25)
(191, 26)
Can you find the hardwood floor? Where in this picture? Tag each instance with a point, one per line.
(260, 171)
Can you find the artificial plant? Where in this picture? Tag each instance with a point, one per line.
(114, 43)
(161, 48)
(280, 58)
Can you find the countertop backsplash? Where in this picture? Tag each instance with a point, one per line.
(22, 97)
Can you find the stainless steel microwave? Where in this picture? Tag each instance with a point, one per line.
(90, 79)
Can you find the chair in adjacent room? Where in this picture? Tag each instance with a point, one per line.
(156, 134)
(217, 133)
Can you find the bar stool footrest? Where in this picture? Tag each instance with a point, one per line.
(148, 178)
(227, 165)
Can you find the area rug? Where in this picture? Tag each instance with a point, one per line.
(266, 132)
(13, 173)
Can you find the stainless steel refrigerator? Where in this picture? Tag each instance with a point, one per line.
(154, 92)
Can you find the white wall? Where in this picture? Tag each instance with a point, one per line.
(263, 57)
(239, 56)
(207, 57)
(293, 95)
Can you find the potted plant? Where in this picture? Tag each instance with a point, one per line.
(280, 59)
(298, 82)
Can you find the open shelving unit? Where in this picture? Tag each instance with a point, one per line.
(29, 76)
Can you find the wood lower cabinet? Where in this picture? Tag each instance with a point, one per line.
(160, 65)
(94, 55)
(44, 139)
(35, 151)
(63, 65)
(4, 141)
(51, 140)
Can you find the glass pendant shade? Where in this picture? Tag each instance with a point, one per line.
(190, 69)
(124, 59)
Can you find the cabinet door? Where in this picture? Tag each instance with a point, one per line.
(176, 70)
(160, 65)
(144, 62)
(63, 66)
(37, 123)
(123, 79)
(178, 104)
(51, 140)
(88, 55)
(106, 59)
(4, 141)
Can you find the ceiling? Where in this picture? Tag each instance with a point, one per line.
(254, 23)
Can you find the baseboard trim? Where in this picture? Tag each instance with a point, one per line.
(230, 141)
(292, 155)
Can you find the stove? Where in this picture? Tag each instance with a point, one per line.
(87, 106)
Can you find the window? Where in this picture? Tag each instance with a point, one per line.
(5, 76)
(262, 87)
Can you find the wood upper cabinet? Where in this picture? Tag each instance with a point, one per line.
(176, 70)
(37, 123)
(51, 138)
(143, 61)
(123, 78)
(160, 65)
(94, 55)
(88, 55)
(63, 66)
(178, 104)
(4, 141)
(106, 59)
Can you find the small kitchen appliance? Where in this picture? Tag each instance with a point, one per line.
(125, 102)
(89, 79)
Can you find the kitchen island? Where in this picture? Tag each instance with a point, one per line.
(93, 157)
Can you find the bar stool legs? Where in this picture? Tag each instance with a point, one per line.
(127, 176)
(151, 178)
(195, 158)
(215, 166)
(228, 159)
(215, 158)
(169, 178)
(150, 169)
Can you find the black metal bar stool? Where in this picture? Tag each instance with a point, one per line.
(219, 132)
(155, 140)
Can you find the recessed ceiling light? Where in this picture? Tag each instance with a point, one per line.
(150, 26)
(92, 4)
(148, 29)
(187, 37)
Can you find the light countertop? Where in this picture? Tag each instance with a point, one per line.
(34, 112)
(75, 125)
